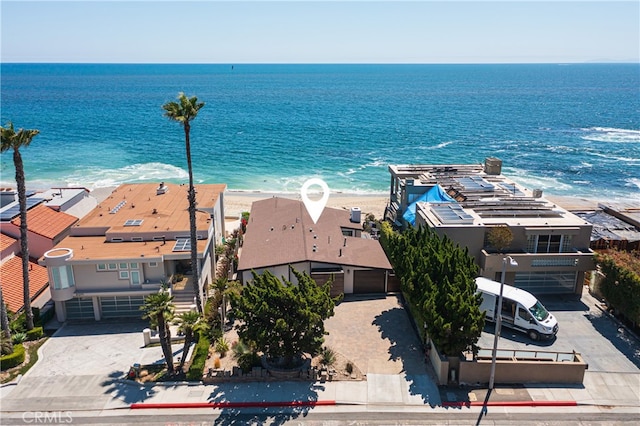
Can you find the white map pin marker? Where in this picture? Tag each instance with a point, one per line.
(315, 208)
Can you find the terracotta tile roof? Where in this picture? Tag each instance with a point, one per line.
(6, 241)
(96, 248)
(11, 280)
(281, 232)
(47, 222)
(154, 212)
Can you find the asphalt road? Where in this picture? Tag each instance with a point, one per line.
(313, 418)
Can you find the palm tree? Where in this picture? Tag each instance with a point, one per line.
(158, 307)
(15, 141)
(188, 324)
(5, 331)
(184, 111)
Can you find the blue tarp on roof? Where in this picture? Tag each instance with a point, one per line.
(434, 195)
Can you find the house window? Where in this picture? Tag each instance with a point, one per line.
(113, 266)
(101, 266)
(158, 238)
(62, 277)
(548, 243)
(123, 265)
(136, 238)
(116, 239)
(133, 265)
(153, 264)
(123, 275)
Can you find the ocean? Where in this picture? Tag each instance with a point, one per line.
(568, 129)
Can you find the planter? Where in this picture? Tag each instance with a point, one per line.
(286, 373)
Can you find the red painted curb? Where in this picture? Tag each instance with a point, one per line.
(226, 404)
(512, 404)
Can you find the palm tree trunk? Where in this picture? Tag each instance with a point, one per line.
(192, 222)
(188, 338)
(164, 333)
(4, 320)
(24, 246)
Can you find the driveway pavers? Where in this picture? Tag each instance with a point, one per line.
(376, 334)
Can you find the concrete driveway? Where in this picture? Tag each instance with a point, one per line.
(100, 348)
(79, 367)
(583, 328)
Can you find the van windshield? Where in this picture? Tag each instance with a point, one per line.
(539, 312)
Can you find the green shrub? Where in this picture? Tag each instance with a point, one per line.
(19, 323)
(11, 360)
(18, 337)
(248, 360)
(222, 346)
(349, 367)
(621, 286)
(35, 333)
(200, 355)
(328, 356)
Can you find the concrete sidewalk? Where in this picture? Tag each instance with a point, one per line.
(395, 381)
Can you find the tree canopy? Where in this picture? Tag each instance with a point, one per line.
(283, 319)
(438, 279)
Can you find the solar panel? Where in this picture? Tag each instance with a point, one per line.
(133, 222)
(14, 210)
(475, 183)
(451, 213)
(512, 189)
(182, 244)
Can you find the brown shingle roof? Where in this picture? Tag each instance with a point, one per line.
(281, 232)
(11, 280)
(47, 222)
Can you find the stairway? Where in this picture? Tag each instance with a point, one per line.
(184, 298)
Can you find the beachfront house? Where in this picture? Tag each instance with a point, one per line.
(11, 277)
(466, 203)
(280, 233)
(45, 228)
(132, 243)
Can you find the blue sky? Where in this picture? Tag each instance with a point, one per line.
(320, 31)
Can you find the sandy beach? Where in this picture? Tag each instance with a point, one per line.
(236, 202)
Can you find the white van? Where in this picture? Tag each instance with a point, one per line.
(520, 309)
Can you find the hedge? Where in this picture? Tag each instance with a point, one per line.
(201, 352)
(13, 359)
(621, 286)
(35, 333)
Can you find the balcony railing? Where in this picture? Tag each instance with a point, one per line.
(579, 260)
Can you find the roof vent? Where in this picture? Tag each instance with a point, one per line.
(162, 189)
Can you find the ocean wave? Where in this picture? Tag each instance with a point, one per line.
(633, 182)
(527, 179)
(632, 161)
(432, 147)
(93, 178)
(610, 134)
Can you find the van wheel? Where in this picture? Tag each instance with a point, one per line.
(533, 335)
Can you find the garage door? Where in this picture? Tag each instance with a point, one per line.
(121, 306)
(79, 309)
(546, 282)
(368, 281)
